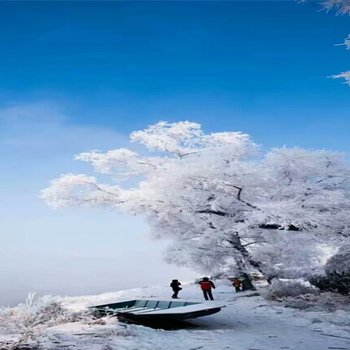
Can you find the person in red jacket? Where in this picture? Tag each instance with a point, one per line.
(236, 283)
(206, 286)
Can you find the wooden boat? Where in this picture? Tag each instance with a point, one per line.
(141, 310)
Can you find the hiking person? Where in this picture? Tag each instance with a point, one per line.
(246, 282)
(236, 283)
(175, 285)
(206, 286)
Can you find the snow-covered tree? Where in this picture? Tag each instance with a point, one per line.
(225, 205)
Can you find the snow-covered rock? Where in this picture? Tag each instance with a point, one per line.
(340, 262)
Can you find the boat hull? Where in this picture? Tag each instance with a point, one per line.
(143, 311)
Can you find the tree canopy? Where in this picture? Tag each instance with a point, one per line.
(225, 204)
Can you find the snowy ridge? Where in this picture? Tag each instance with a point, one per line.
(248, 322)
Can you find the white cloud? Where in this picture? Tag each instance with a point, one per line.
(42, 128)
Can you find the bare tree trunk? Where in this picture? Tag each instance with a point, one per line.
(243, 258)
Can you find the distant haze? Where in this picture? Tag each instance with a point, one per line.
(83, 253)
(67, 252)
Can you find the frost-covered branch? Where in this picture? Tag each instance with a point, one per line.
(75, 190)
(343, 75)
(342, 7)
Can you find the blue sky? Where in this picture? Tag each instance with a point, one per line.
(76, 76)
(256, 66)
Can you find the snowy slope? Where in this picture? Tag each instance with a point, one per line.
(248, 322)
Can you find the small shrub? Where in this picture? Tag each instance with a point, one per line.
(337, 278)
(333, 282)
(288, 288)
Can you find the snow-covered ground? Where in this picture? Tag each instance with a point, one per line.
(248, 322)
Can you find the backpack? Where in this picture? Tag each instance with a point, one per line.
(205, 285)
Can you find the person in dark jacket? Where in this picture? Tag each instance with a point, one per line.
(175, 285)
(206, 286)
(246, 282)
